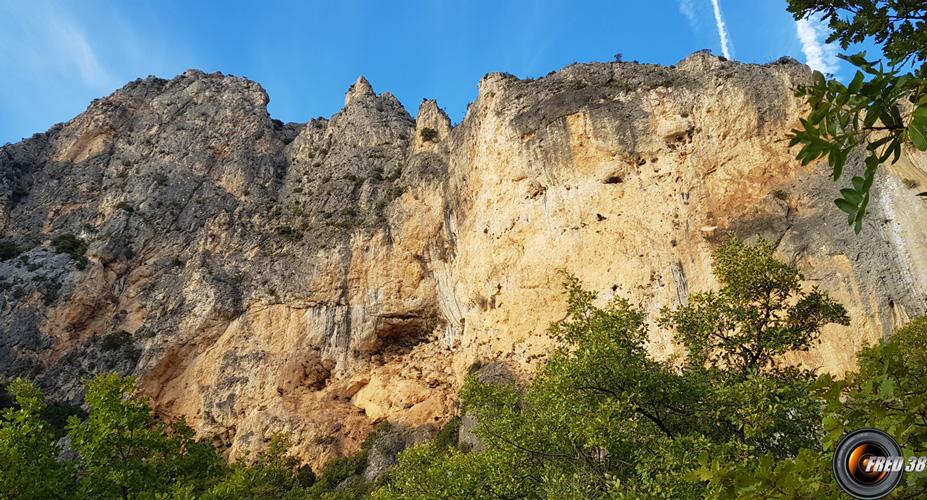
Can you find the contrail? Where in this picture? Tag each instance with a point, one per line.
(722, 30)
(818, 55)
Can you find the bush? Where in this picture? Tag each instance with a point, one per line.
(429, 134)
(115, 340)
(8, 250)
(71, 245)
(57, 415)
(124, 452)
(289, 232)
(340, 468)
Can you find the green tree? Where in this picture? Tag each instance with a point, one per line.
(759, 313)
(886, 393)
(125, 453)
(272, 474)
(604, 418)
(885, 105)
(28, 454)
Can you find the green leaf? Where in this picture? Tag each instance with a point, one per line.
(921, 112)
(917, 131)
(857, 182)
(818, 79)
(857, 82)
(852, 196)
(846, 206)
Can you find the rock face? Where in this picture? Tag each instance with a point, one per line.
(261, 277)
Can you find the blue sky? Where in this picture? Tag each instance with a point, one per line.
(57, 56)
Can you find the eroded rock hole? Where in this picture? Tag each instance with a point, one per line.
(398, 333)
(613, 179)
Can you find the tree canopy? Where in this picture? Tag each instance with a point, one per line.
(604, 418)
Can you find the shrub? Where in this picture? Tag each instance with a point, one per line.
(71, 245)
(910, 183)
(125, 452)
(341, 468)
(115, 340)
(429, 134)
(8, 250)
(289, 232)
(28, 465)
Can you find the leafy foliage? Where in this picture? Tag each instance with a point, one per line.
(753, 318)
(897, 25)
(125, 452)
(604, 418)
(270, 475)
(886, 393)
(882, 108)
(28, 454)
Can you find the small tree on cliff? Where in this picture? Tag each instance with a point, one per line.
(603, 417)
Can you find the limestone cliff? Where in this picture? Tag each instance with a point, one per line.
(316, 278)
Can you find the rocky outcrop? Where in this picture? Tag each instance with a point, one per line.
(318, 278)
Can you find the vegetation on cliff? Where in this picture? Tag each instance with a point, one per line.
(602, 417)
(726, 419)
(121, 450)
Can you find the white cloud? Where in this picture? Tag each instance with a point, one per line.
(688, 10)
(45, 39)
(722, 29)
(819, 55)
